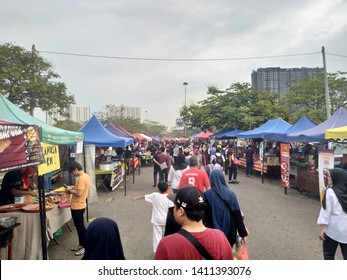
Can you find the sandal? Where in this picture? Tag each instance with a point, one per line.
(80, 252)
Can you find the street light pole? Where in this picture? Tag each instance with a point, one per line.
(146, 116)
(185, 105)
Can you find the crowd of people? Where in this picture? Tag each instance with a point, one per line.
(195, 213)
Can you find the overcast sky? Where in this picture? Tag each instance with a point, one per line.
(169, 29)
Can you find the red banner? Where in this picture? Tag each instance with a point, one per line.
(19, 146)
(285, 164)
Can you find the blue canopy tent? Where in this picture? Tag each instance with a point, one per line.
(302, 124)
(221, 133)
(317, 133)
(117, 132)
(96, 134)
(231, 134)
(268, 129)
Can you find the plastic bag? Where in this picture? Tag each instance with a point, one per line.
(65, 201)
(243, 254)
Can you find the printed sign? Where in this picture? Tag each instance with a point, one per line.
(20, 146)
(285, 164)
(51, 153)
(325, 161)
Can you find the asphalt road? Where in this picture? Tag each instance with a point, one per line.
(282, 226)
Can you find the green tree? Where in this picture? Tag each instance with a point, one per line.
(28, 81)
(239, 106)
(308, 97)
(68, 125)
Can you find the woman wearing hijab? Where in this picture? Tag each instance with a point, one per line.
(103, 241)
(220, 216)
(175, 172)
(213, 165)
(332, 218)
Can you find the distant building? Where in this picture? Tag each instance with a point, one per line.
(77, 114)
(278, 80)
(121, 111)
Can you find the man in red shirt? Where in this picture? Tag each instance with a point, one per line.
(189, 210)
(195, 176)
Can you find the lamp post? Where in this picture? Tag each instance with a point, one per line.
(185, 105)
(146, 116)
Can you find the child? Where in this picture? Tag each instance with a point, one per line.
(160, 206)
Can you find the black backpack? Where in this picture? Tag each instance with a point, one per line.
(219, 160)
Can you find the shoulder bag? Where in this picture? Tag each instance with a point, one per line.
(163, 165)
(201, 249)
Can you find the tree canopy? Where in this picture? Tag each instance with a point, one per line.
(28, 81)
(239, 106)
(242, 107)
(308, 97)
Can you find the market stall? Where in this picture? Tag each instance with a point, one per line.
(113, 170)
(49, 135)
(27, 243)
(267, 131)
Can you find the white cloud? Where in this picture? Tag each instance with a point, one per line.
(172, 29)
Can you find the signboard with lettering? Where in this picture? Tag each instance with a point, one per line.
(285, 164)
(20, 146)
(51, 153)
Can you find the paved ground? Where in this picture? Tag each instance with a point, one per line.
(282, 227)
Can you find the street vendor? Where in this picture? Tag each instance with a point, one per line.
(13, 185)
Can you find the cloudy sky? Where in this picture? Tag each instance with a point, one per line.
(227, 31)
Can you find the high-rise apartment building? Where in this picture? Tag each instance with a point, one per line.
(121, 111)
(77, 114)
(278, 80)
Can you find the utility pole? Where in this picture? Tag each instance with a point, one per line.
(326, 86)
(185, 106)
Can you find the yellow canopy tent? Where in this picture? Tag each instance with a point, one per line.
(339, 133)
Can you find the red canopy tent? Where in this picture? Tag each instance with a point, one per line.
(140, 137)
(204, 134)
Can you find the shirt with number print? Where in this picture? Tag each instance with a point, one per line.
(195, 177)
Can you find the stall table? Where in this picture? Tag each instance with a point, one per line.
(308, 182)
(27, 243)
(271, 170)
(109, 179)
(6, 237)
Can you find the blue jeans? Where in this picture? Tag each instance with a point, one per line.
(249, 168)
(163, 175)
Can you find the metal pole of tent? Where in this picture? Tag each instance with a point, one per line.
(125, 178)
(43, 218)
(133, 167)
(262, 162)
(85, 170)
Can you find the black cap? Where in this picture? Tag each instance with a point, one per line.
(189, 198)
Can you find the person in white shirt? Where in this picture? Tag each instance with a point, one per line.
(332, 218)
(175, 172)
(160, 207)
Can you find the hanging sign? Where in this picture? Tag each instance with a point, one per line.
(20, 146)
(51, 153)
(285, 164)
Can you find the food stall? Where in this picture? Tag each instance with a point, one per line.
(308, 178)
(109, 171)
(49, 135)
(27, 240)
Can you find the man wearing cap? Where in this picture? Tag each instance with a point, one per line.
(195, 176)
(189, 210)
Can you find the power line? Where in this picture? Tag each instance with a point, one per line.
(176, 59)
(340, 55)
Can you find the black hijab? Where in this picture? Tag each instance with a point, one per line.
(102, 241)
(180, 162)
(339, 179)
